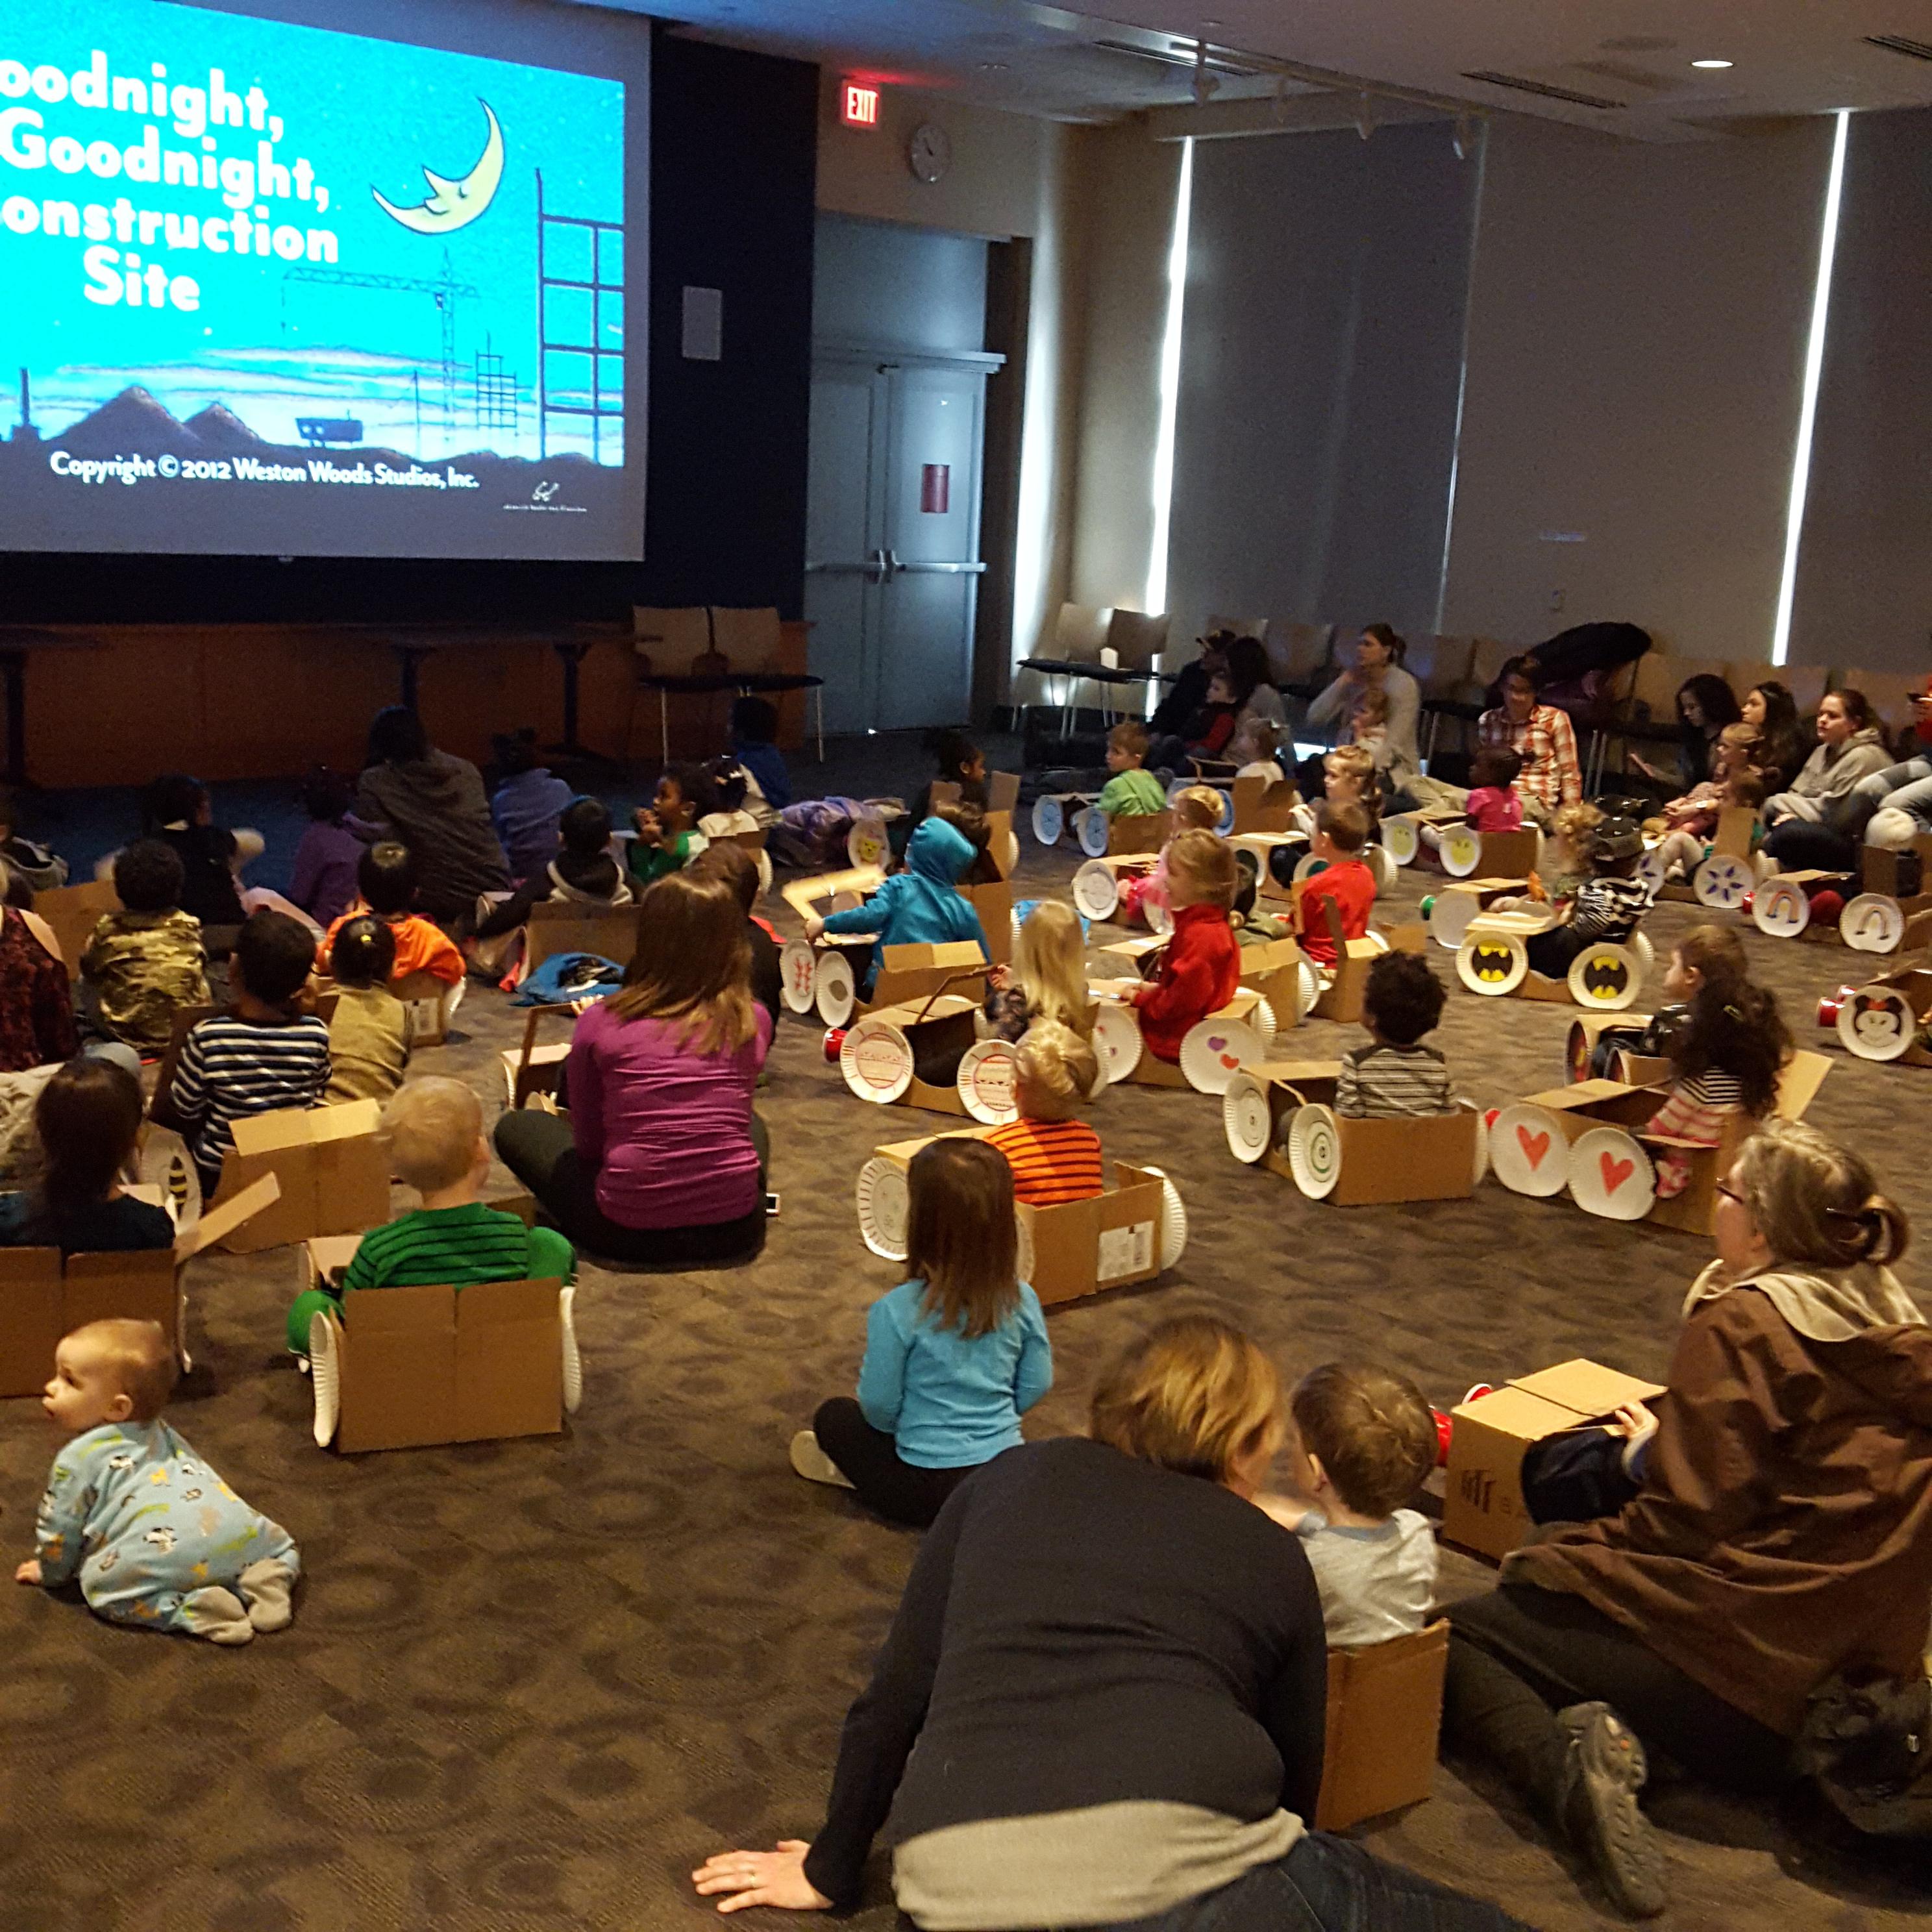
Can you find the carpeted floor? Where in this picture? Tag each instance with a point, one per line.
(529, 1685)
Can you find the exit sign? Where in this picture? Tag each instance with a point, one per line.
(860, 106)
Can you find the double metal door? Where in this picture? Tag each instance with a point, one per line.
(893, 538)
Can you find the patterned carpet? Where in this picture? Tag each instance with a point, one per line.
(530, 1685)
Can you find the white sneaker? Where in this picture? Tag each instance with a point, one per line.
(814, 1465)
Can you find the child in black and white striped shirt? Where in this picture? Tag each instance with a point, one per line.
(1395, 1074)
(1607, 906)
(261, 1054)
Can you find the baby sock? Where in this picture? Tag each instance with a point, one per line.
(265, 1587)
(217, 1615)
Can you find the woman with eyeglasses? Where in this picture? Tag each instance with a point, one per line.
(1775, 1529)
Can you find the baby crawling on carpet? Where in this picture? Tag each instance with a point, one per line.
(157, 1538)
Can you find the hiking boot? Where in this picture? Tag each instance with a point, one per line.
(1603, 1770)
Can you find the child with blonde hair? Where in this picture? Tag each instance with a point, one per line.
(156, 1539)
(1200, 966)
(1257, 741)
(1574, 828)
(1048, 979)
(1194, 807)
(1054, 1157)
(955, 1355)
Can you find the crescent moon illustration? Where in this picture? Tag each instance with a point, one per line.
(454, 204)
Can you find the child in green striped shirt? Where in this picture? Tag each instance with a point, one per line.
(435, 1127)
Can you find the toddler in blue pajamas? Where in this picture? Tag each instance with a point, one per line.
(157, 1538)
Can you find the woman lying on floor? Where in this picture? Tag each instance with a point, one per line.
(1778, 1530)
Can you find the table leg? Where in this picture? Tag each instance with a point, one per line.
(14, 665)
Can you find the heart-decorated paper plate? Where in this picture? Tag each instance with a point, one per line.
(1401, 839)
(884, 1201)
(988, 1081)
(834, 989)
(1091, 828)
(877, 1060)
(1214, 1051)
(1492, 963)
(1246, 1119)
(1528, 1150)
(1461, 851)
(1872, 923)
(1780, 908)
(1096, 892)
(1876, 1023)
(1722, 883)
(1611, 1176)
(1117, 1036)
(798, 972)
(1049, 819)
(1449, 918)
(1314, 1151)
(1606, 977)
(866, 844)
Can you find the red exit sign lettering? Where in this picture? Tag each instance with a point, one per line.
(860, 106)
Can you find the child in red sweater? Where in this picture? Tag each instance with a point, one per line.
(1340, 832)
(1201, 964)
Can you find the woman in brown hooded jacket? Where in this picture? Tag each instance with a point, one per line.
(1781, 1531)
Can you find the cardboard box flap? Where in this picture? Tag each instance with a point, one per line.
(963, 954)
(288, 1127)
(1579, 1094)
(218, 1222)
(1587, 1388)
(1296, 1072)
(325, 1256)
(1799, 1084)
(913, 1012)
(377, 1313)
(803, 895)
(1270, 956)
(1514, 1411)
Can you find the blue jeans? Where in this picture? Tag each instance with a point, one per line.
(1328, 1884)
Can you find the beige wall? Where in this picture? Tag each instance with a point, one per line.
(1638, 319)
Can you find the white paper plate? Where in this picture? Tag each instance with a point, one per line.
(1461, 851)
(1528, 1151)
(1876, 1023)
(877, 1061)
(1049, 819)
(1482, 1160)
(1492, 964)
(1091, 828)
(1117, 1036)
(798, 971)
(1606, 977)
(1226, 824)
(1401, 840)
(1096, 890)
(1261, 1018)
(325, 1375)
(1307, 989)
(1314, 1151)
(1246, 1118)
(1638, 943)
(1308, 866)
(1722, 883)
(1576, 1051)
(1780, 908)
(1649, 873)
(988, 1081)
(883, 1202)
(1008, 856)
(1173, 1221)
(1159, 918)
(866, 844)
(1872, 923)
(1382, 863)
(1449, 918)
(1611, 1176)
(834, 990)
(1213, 1052)
(165, 1162)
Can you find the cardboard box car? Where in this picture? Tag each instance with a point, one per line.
(1132, 832)
(42, 1298)
(1148, 1070)
(72, 912)
(910, 973)
(332, 1164)
(1263, 805)
(1003, 798)
(939, 1029)
(1483, 1506)
(994, 903)
(565, 925)
(1422, 1157)
(1731, 838)
(1384, 1725)
(1341, 997)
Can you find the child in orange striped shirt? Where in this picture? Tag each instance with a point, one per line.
(1054, 1157)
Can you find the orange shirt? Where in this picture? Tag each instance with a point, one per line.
(421, 947)
(1052, 1161)
(1352, 886)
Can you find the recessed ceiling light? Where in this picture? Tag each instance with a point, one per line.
(1711, 63)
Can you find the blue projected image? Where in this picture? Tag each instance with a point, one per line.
(369, 296)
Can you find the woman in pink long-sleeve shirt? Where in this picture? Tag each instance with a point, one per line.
(660, 1157)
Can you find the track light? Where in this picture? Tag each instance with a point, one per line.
(1204, 83)
(1365, 115)
(1464, 140)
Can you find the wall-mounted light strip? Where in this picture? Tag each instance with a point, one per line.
(1156, 599)
(1807, 412)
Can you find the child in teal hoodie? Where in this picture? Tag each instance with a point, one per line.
(919, 906)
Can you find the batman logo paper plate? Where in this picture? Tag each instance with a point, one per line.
(1604, 976)
(1491, 963)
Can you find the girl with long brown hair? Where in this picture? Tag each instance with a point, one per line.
(660, 1157)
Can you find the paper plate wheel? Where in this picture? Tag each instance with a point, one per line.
(1117, 1035)
(1173, 1221)
(1482, 1159)
(1382, 864)
(1646, 953)
(1248, 864)
(573, 1362)
(1400, 840)
(884, 1203)
(1576, 1051)
(1049, 820)
(1009, 852)
(1308, 866)
(1649, 873)
(988, 1081)
(1307, 989)
(1461, 851)
(1262, 1019)
(1780, 908)
(1492, 964)
(1096, 892)
(1159, 918)
(1449, 918)
(325, 1371)
(1606, 977)
(1246, 1119)
(798, 973)
(1721, 883)
(1379, 939)
(866, 844)
(1611, 1176)
(1214, 1051)
(833, 989)
(1872, 923)
(164, 1163)
(1023, 1254)
(1226, 823)
(1876, 1023)
(1089, 827)
(877, 1061)
(1314, 1151)
(1528, 1151)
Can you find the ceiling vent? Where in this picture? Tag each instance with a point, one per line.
(1543, 89)
(1896, 43)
